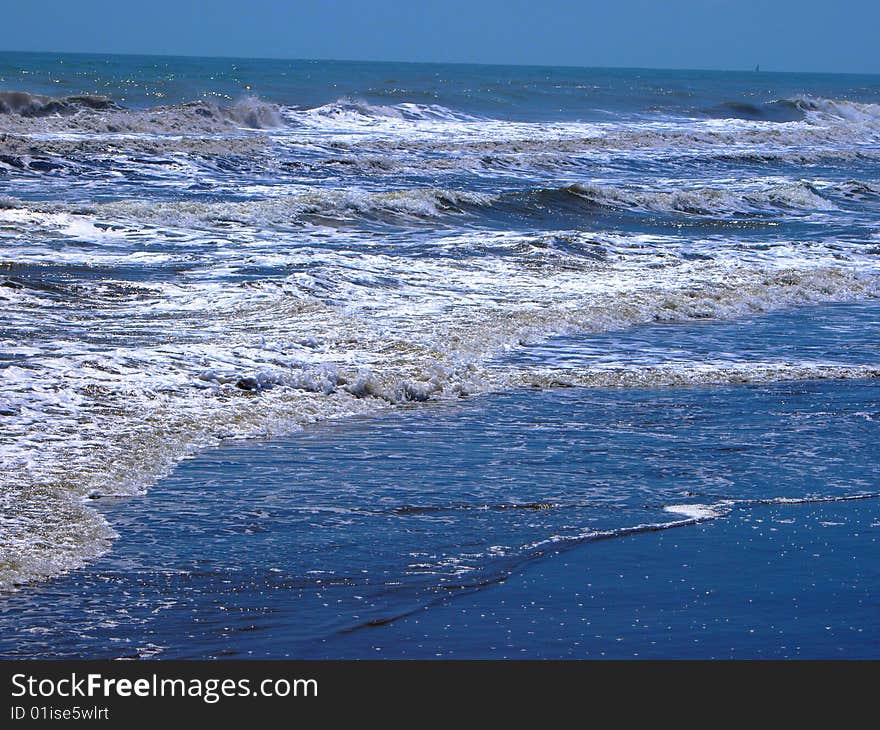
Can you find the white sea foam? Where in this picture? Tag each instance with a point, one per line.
(697, 512)
(353, 111)
(690, 514)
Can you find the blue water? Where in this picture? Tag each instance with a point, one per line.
(313, 545)
(294, 348)
(767, 582)
(506, 92)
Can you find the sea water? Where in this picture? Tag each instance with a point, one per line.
(447, 318)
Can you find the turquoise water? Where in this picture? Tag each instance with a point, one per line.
(467, 311)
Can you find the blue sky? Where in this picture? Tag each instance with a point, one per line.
(728, 34)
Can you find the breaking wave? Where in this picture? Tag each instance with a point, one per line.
(785, 110)
(25, 113)
(797, 198)
(31, 105)
(797, 109)
(347, 109)
(709, 202)
(286, 210)
(851, 112)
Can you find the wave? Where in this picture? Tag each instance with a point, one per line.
(228, 152)
(796, 198)
(824, 129)
(252, 112)
(283, 211)
(797, 109)
(348, 109)
(415, 138)
(814, 120)
(441, 382)
(858, 190)
(784, 110)
(287, 210)
(785, 196)
(841, 110)
(31, 105)
(25, 113)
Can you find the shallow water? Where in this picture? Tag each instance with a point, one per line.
(767, 582)
(196, 251)
(294, 547)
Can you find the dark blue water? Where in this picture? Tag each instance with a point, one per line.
(767, 582)
(309, 546)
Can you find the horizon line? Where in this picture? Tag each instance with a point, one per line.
(757, 68)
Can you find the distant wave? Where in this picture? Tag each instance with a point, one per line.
(784, 110)
(23, 112)
(839, 109)
(348, 109)
(27, 113)
(258, 113)
(416, 139)
(796, 109)
(248, 111)
(252, 112)
(32, 105)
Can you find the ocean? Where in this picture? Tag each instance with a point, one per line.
(292, 352)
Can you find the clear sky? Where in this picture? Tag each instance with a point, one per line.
(808, 35)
